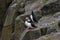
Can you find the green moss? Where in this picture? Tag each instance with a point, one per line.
(44, 1)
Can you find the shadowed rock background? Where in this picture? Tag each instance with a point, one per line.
(13, 13)
(3, 8)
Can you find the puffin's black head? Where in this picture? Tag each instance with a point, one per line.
(32, 13)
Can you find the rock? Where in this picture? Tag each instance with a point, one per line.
(50, 8)
(37, 32)
(46, 26)
(49, 37)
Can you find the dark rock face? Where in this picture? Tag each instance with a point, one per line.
(51, 8)
(20, 26)
(59, 24)
(43, 31)
(3, 7)
(27, 37)
(32, 35)
(35, 34)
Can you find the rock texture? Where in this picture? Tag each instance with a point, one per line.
(52, 26)
(47, 13)
(3, 7)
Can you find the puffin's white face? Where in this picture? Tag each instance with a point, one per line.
(27, 19)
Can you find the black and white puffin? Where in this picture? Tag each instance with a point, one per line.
(29, 24)
(33, 17)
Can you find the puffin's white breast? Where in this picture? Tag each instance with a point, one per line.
(28, 24)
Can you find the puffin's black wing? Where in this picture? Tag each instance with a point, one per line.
(33, 25)
(34, 17)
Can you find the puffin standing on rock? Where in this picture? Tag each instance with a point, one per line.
(33, 17)
(29, 24)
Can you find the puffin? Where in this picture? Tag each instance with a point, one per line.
(33, 18)
(29, 24)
